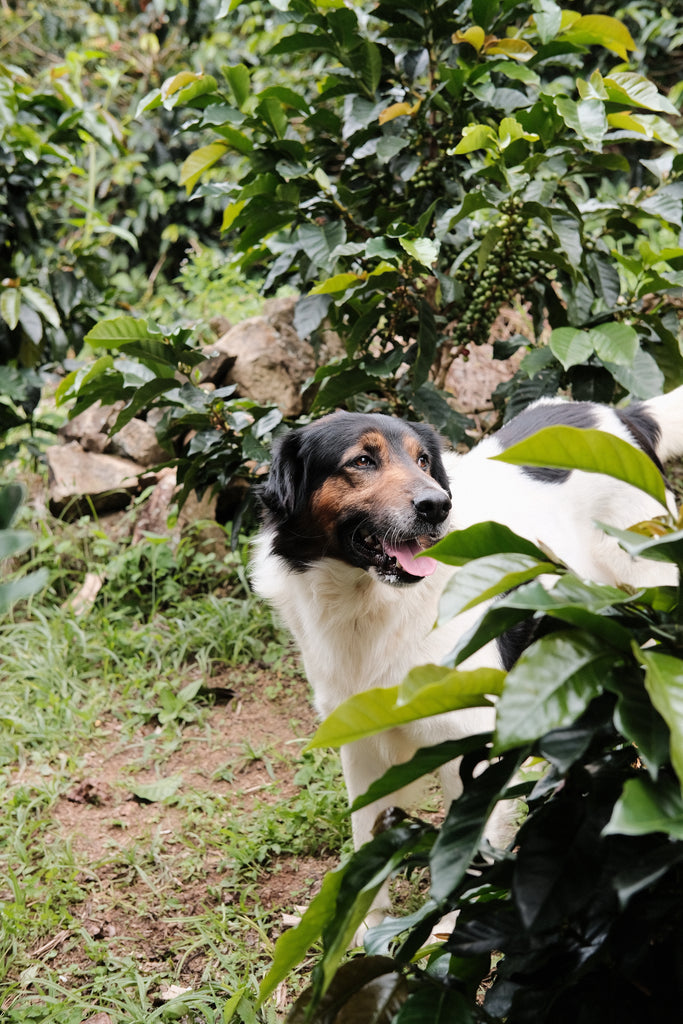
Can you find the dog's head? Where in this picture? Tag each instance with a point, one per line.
(370, 490)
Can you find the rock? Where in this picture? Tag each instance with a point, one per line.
(90, 427)
(271, 361)
(153, 516)
(199, 514)
(196, 513)
(473, 381)
(219, 325)
(137, 441)
(80, 480)
(216, 366)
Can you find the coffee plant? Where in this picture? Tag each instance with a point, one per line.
(581, 918)
(438, 163)
(450, 160)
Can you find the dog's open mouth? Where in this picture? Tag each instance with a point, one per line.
(396, 561)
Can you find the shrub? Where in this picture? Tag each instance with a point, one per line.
(582, 916)
(443, 163)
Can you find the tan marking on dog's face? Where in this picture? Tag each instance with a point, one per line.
(389, 482)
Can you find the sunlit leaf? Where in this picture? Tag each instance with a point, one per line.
(592, 451)
(477, 136)
(474, 35)
(424, 250)
(338, 283)
(484, 578)
(198, 162)
(570, 345)
(664, 683)
(645, 806)
(636, 89)
(599, 29)
(118, 331)
(481, 539)
(428, 690)
(398, 110)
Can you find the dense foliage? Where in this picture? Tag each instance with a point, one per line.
(443, 162)
(408, 169)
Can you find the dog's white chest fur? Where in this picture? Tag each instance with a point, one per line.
(354, 632)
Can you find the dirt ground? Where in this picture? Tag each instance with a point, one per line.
(100, 814)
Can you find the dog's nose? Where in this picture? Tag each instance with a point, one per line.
(433, 506)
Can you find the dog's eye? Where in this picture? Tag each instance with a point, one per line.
(362, 462)
(423, 461)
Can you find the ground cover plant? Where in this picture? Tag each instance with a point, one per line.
(158, 816)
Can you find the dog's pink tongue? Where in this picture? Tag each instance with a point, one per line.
(405, 556)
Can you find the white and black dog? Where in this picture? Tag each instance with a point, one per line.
(352, 499)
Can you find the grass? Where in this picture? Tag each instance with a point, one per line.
(158, 816)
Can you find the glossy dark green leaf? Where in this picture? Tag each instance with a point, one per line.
(664, 684)
(550, 686)
(438, 1005)
(664, 547)
(294, 943)
(637, 718)
(11, 497)
(428, 690)
(367, 988)
(645, 807)
(425, 760)
(463, 828)
(485, 578)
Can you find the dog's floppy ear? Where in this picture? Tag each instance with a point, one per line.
(434, 443)
(282, 491)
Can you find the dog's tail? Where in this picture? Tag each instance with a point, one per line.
(666, 413)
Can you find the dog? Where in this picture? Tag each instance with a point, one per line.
(350, 502)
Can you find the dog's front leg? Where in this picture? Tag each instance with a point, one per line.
(363, 762)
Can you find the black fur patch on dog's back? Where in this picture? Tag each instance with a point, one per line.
(644, 429)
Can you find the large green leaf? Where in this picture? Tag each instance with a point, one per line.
(637, 719)
(293, 944)
(198, 162)
(664, 683)
(486, 577)
(438, 1005)
(592, 29)
(461, 833)
(570, 600)
(428, 690)
(118, 331)
(645, 806)
(367, 988)
(633, 88)
(488, 538)
(424, 761)
(592, 451)
(570, 345)
(550, 686)
(666, 547)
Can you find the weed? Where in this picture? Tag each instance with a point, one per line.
(105, 906)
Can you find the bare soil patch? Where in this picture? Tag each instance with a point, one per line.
(234, 760)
